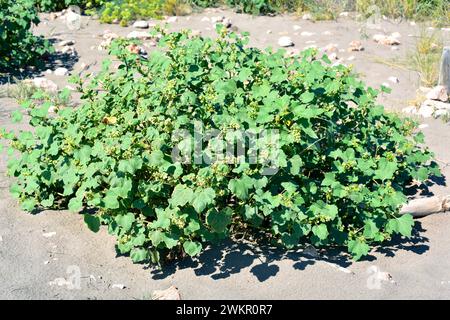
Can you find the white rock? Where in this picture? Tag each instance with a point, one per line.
(268, 31)
(53, 109)
(285, 42)
(68, 50)
(66, 43)
(423, 126)
(296, 27)
(394, 79)
(441, 112)
(60, 282)
(61, 72)
(386, 84)
(227, 23)
(425, 111)
(1, 239)
(168, 294)
(355, 45)
(141, 24)
(142, 35)
(351, 58)
(386, 40)
(438, 93)
(46, 262)
(327, 33)
(343, 14)
(217, 19)
(307, 34)
(48, 71)
(118, 286)
(412, 23)
(307, 16)
(437, 105)
(396, 35)
(410, 110)
(333, 56)
(172, 19)
(49, 234)
(394, 48)
(45, 84)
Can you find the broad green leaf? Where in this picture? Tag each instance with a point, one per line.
(93, 222)
(192, 248)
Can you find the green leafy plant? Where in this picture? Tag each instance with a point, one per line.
(18, 46)
(125, 11)
(338, 176)
(56, 5)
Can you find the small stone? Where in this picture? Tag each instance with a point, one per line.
(172, 19)
(61, 72)
(307, 16)
(168, 294)
(438, 93)
(351, 58)
(1, 239)
(227, 23)
(49, 234)
(394, 48)
(307, 34)
(326, 33)
(142, 35)
(118, 286)
(268, 31)
(386, 40)
(343, 14)
(296, 27)
(394, 79)
(68, 50)
(46, 262)
(423, 126)
(285, 42)
(53, 109)
(333, 56)
(141, 24)
(48, 71)
(386, 84)
(355, 45)
(412, 23)
(332, 47)
(217, 19)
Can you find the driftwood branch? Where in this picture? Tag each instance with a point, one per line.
(426, 206)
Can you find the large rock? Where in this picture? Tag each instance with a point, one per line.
(438, 93)
(44, 84)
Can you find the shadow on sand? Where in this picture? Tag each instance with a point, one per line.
(228, 258)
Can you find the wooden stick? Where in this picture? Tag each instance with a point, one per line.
(426, 206)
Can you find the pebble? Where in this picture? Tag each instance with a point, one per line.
(142, 35)
(386, 40)
(355, 45)
(423, 126)
(394, 79)
(268, 31)
(61, 72)
(172, 19)
(351, 58)
(118, 286)
(343, 14)
(141, 24)
(1, 239)
(307, 16)
(296, 27)
(285, 42)
(49, 234)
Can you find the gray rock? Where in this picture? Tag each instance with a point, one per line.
(438, 93)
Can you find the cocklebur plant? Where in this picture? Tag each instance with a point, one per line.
(341, 167)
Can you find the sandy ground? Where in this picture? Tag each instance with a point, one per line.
(38, 252)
